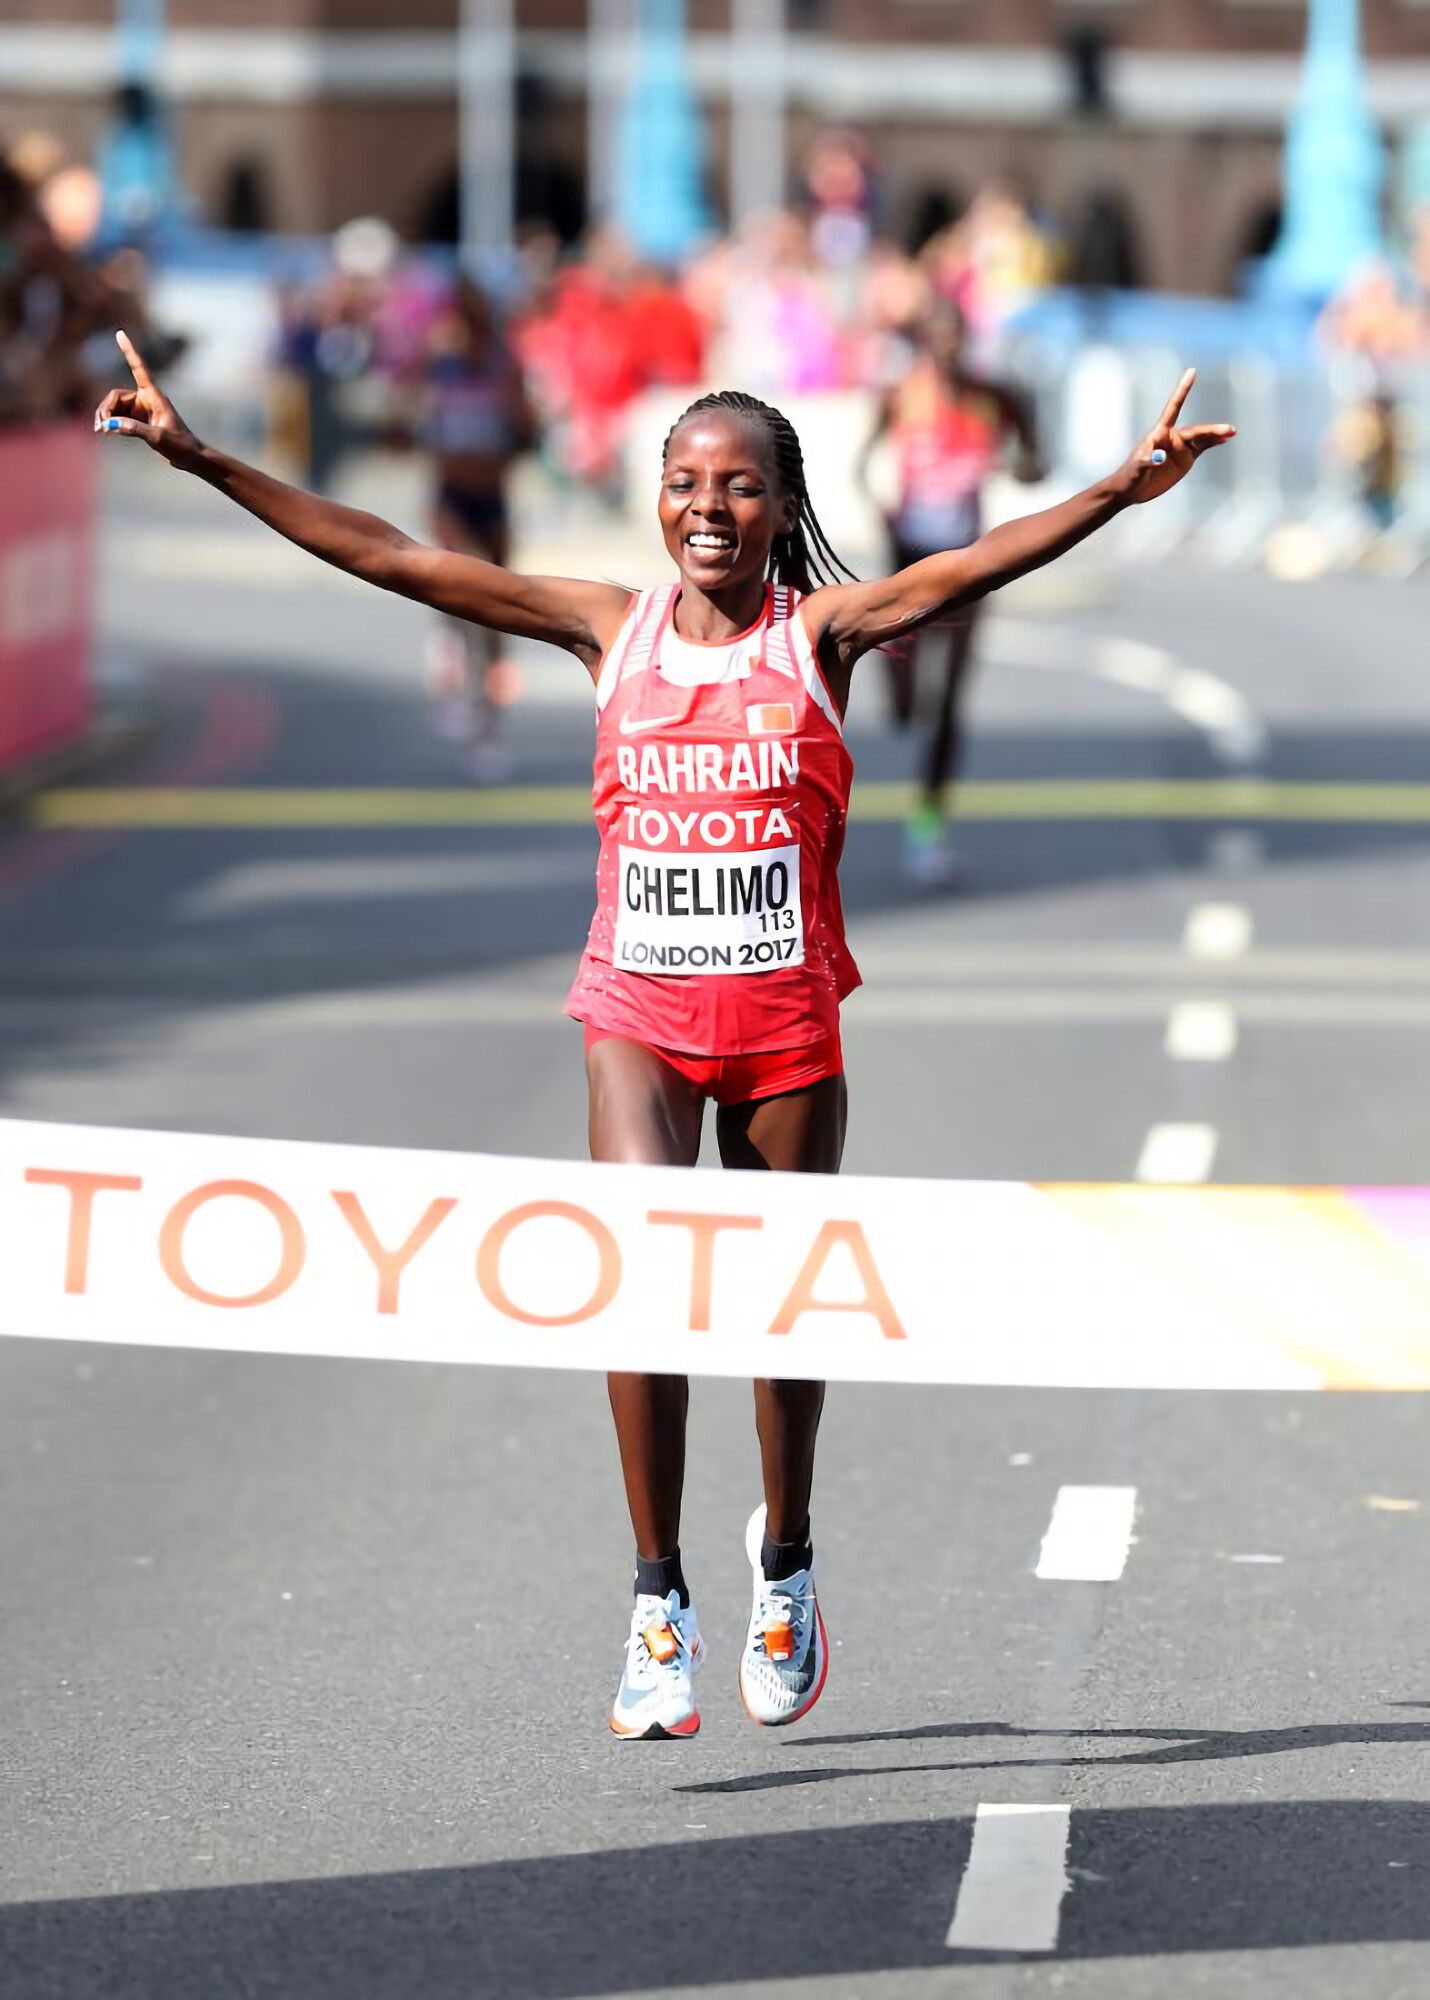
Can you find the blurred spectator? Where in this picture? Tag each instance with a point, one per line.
(604, 329)
(475, 420)
(1370, 315)
(893, 300)
(992, 261)
(778, 328)
(1367, 437)
(52, 304)
(839, 187)
(1374, 325)
(949, 429)
(329, 348)
(798, 302)
(67, 196)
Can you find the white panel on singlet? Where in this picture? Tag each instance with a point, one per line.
(809, 671)
(687, 665)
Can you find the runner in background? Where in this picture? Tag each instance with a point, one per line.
(949, 429)
(475, 420)
(716, 961)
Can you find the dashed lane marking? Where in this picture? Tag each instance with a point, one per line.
(1218, 931)
(1201, 1031)
(189, 808)
(1177, 1154)
(1235, 851)
(1011, 1895)
(1089, 1535)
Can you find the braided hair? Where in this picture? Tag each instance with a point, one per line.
(801, 558)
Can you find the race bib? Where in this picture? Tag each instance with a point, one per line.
(709, 913)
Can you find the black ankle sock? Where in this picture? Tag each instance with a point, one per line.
(659, 1576)
(779, 1560)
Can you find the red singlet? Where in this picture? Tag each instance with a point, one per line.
(747, 1079)
(721, 795)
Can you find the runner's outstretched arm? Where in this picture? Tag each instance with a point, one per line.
(581, 617)
(845, 620)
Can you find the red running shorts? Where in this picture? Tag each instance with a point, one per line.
(745, 1079)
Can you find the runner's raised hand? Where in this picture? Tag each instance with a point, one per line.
(145, 411)
(1170, 450)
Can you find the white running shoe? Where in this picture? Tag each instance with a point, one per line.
(786, 1654)
(656, 1696)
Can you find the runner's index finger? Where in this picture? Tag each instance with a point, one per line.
(131, 355)
(1176, 399)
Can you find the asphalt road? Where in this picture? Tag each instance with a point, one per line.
(304, 1667)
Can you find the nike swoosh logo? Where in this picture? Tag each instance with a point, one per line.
(629, 728)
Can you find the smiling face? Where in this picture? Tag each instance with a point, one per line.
(721, 503)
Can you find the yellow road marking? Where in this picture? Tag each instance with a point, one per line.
(187, 808)
(183, 808)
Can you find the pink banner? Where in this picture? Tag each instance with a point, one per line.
(47, 499)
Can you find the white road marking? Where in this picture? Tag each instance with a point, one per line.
(1217, 930)
(1132, 663)
(1213, 705)
(1176, 1154)
(1232, 727)
(938, 963)
(1011, 1895)
(498, 1005)
(1089, 1535)
(1236, 850)
(1201, 1031)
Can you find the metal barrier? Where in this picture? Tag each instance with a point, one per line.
(1293, 491)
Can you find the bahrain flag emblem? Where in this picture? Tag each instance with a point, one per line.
(770, 718)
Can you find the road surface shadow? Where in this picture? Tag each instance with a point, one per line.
(869, 1899)
(167, 925)
(1167, 1746)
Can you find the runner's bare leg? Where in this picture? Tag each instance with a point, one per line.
(801, 1132)
(645, 1113)
(946, 742)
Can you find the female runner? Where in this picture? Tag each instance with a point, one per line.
(716, 960)
(475, 422)
(949, 428)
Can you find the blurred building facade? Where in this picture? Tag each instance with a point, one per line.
(1150, 130)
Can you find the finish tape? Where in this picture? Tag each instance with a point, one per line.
(275, 1247)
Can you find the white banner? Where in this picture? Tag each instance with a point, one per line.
(275, 1247)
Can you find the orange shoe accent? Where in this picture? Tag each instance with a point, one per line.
(779, 1641)
(661, 1643)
